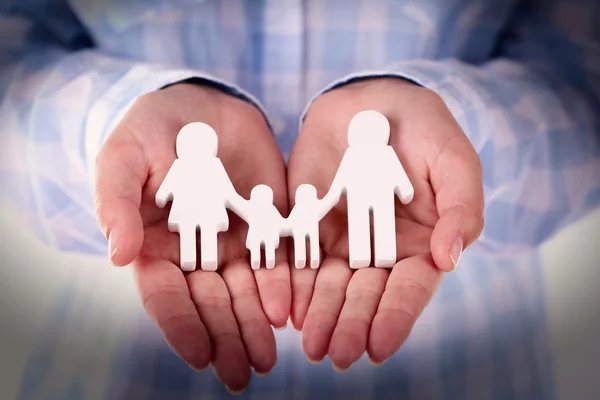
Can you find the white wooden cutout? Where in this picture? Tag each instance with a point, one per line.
(370, 175)
(303, 225)
(200, 190)
(265, 226)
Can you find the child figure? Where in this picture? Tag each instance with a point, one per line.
(265, 225)
(303, 224)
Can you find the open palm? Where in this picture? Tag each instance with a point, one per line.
(222, 317)
(344, 312)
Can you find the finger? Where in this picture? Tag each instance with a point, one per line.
(257, 334)
(213, 302)
(166, 299)
(456, 179)
(349, 339)
(274, 289)
(408, 290)
(327, 300)
(120, 175)
(303, 283)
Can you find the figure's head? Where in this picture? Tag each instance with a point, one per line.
(262, 194)
(196, 140)
(305, 193)
(368, 129)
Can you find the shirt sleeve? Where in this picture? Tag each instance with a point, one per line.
(59, 99)
(532, 112)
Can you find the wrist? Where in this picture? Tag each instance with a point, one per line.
(397, 98)
(236, 120)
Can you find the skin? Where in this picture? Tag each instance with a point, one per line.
(343, 312)
(223, 318)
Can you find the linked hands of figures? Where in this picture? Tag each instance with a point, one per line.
(370, 175)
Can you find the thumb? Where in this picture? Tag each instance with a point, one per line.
(457, 182)
(120, 176)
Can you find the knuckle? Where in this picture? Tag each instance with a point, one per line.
(363, 295)
(300, 288)
(101, 213)
(411, 288)
(474, 217)
(355, 327)
(329, 289)
(228, 338)
(251, 322)
(167, 293)
(479, 222)
(174, 321)
(244, 295)
(218, 303)
(168, 318)
(399, 315)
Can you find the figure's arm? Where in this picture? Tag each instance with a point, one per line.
(336, 189)
(233, 200)
(164, 194)
(324, 206)
(403, 188)
(284, 224)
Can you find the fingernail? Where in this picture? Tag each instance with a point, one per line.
(112, 244)
(456, 251)
(234, 392)
(198, 369)
(262, 374)
(314, 362)
(281, 328)
(375, 363)
(338, 369)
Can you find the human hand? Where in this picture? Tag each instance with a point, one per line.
(343, 312)
(221, 317)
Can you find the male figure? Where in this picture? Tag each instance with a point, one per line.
(370, 174)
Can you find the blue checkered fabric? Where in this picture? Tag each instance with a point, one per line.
(522, 78)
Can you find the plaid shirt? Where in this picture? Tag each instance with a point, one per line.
(522, 78)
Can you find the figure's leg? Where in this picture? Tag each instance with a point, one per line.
(359, 235)
(299, 250)
(255, 255)
(315, 258)
(187, 247)
(270, 255)
(384, 233)
(209, 252)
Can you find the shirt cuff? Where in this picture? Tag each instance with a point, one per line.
(110, 108)
(447, 79)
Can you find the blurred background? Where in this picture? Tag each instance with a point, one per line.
(505, 325)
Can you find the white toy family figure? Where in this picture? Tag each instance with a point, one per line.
(200, 189)
(303, 225)
(265, 225)
(370, 175)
